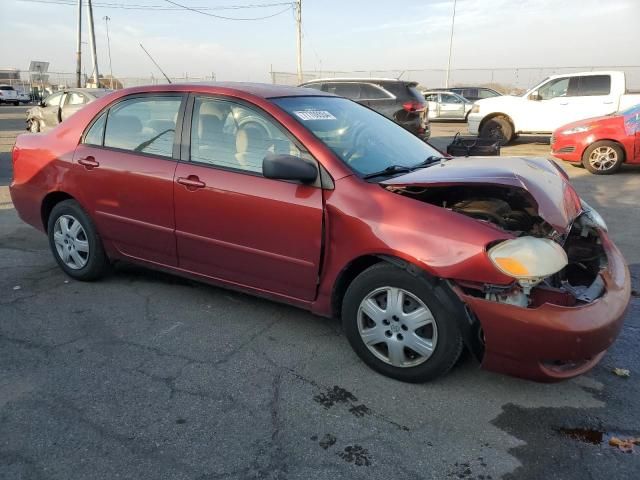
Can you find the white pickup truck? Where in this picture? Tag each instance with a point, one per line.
(556, 101)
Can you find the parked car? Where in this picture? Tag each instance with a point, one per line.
(556, 101)
(329, 206)
(446, 105)
(398, 100)
(600, 144)
(8, 94)
(61, 105)
(472, 93)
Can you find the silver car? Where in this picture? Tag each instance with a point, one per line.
(447, 105)
(61, 105)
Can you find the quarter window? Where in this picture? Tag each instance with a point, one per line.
(96, 133)
(231, 135)
(369, 92)
(143, 125)
(591, 85)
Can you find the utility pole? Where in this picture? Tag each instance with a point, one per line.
(299, 37)
(79, 48)
(453, 22)
(106, 19)
(92, 40)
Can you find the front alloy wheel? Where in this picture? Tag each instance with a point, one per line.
(403, 325)
(397, 327)
(603, 158)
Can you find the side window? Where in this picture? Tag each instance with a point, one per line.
(446, 98)
(231, 135)
(95, 135)
(482, 93)
(370, 92)
(470, 93)
(53, 100)
(347, 90)
(558, 87)
(75, 98)
(431, 97)
(591, 85)
(144, 125)
(316, 86)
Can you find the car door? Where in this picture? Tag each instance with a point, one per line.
(546, 108)
(433, 105)
(592, 98)
(451, 106)
(231, 222)
(50, 110)
(73, 102)
(126, 163)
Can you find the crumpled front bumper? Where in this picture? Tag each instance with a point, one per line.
(552, 342)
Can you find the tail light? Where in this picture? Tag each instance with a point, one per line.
(414, 106)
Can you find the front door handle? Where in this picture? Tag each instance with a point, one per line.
(608, 102)
(89, 162)
(192, 182)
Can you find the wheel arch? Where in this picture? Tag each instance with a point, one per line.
(50, 200)
(625, 154)
(506, 116)
(467, 322)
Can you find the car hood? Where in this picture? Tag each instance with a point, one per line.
(587, 121)
(547, 185)
(493, 103)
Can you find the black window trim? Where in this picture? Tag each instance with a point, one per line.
(185, 146)
(175, 154)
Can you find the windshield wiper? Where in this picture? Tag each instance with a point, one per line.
(391, 169)
(428, 161)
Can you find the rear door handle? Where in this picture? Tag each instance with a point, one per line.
(192, 182)
(89, 162)
(608, 102)
(564, 103)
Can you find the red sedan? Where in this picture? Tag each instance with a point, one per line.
(600, 144)
(314, 200)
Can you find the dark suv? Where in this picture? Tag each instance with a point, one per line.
(395, 99)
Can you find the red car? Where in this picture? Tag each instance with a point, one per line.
(600, 144)
(314, 200)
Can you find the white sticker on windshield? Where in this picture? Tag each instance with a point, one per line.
(314, 115)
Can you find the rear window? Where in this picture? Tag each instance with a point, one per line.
(591, 85)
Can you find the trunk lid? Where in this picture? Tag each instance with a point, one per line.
(547, 185)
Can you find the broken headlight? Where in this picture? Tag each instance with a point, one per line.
(593, 218)
(528, 259)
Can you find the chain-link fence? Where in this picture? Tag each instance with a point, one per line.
(505, 79)
(51, 81)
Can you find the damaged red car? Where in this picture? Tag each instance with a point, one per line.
(314, 200)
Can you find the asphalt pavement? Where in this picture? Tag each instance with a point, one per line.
(149, 376)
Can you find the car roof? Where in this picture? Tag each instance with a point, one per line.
(360, 80)
(262, 90)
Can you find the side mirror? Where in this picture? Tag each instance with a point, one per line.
(535, 96)
(289, 167)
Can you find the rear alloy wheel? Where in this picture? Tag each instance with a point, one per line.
(498, 129)
(603, 158)
(401, 325)
(75, 243)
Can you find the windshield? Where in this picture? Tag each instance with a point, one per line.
(365, 140)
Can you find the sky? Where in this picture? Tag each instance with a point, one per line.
(342, 35)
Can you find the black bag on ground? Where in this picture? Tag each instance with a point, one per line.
(473, 147)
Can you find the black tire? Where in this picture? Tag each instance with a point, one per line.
(616, 157)
(499, 129)
(97, 263)
(434, 296)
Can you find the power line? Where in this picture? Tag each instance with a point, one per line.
(156, 7)
(289, 6)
